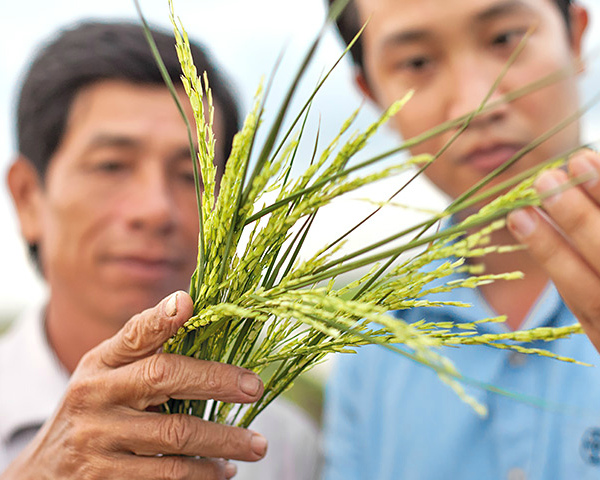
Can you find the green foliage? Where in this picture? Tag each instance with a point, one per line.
(259, 305)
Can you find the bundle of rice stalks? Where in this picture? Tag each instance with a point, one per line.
(259, 305)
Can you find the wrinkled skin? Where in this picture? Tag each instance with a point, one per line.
(103, 429)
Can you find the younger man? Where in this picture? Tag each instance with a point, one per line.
(388, 418)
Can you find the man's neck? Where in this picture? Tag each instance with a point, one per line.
(72, 330)
(513, 298)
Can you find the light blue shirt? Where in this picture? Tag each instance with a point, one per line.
(389, 418)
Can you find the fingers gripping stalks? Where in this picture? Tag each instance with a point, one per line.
(565, 237)
(102, 424)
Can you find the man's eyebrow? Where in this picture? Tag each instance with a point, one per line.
(112, 140)
(502, 9)
(406, 36)
(109, 140)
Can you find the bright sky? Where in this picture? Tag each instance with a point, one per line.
(246, 37)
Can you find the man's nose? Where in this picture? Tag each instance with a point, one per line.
(152, 205)
(470, 84)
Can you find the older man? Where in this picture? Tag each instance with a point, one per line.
(105, 195)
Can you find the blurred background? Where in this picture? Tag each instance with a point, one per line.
(246, 37)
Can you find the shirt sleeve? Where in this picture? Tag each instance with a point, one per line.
(342, 422)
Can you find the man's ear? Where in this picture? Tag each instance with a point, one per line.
(363, 85)
(579, 19)
(26, 190)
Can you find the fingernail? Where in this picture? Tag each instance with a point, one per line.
(547, 182)
(522, 223)
(230, 470)
(171, 306)
(250, 384)
(258, 443)
(582, 165)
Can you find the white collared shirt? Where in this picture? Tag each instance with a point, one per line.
(32, 383)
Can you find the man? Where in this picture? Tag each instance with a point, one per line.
(387, 418)
(105, 195)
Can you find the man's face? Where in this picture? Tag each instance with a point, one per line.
(451, 52)
(118, 225)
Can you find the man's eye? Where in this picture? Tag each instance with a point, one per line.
(187, 176)
(509, 38)
(415, 64)
(110, 166)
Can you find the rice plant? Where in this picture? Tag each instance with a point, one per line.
(259, 305)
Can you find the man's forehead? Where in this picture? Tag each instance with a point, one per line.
(399, 14)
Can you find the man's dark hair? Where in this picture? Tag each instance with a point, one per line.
(94, 51)
(91, 52)
(349, 24)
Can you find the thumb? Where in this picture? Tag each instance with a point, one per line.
(145, 332)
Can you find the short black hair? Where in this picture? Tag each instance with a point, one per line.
(90, 52)
(94, 51)
(348, 24)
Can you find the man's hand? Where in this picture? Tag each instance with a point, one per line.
(102, 429)
(566, 240)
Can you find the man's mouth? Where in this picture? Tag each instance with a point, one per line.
(142, 268)
(487, 159)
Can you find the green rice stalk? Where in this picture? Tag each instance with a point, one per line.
(260, 305)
